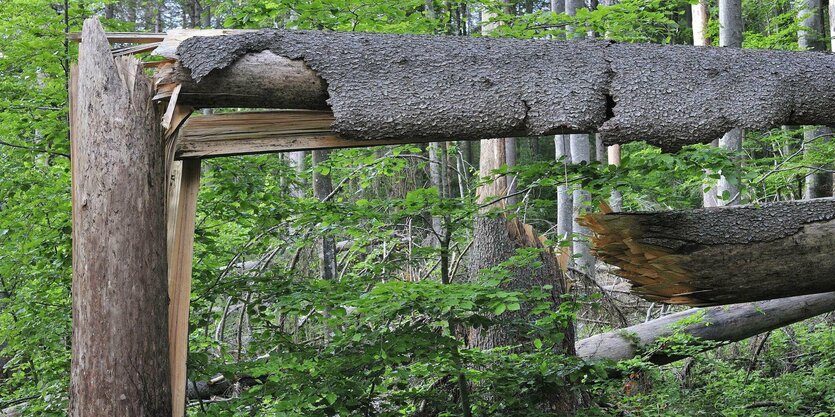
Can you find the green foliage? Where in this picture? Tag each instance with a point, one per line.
(387, 337)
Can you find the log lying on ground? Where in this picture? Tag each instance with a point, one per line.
(722, 255)
(382, 86)
(723, 324)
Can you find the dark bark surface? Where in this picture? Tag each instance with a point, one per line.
(722, 255)
(717, 324)
(383, 86)
(120, 361)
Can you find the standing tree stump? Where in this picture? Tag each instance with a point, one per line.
(120, 363)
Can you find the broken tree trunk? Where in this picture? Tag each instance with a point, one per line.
(717, 324)
(120, 362)
(434, 88)
(722, 255)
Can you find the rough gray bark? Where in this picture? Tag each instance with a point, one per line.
(322, 188)
(722, 255)
(119, 289)
(390, 86)
(718, 324)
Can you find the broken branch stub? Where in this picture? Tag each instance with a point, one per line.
(383, 86)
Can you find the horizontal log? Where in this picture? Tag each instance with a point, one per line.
(716, 324)
(722, 255)
(243, 133)
(434, 88)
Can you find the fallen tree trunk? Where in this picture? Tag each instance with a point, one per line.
(383, 86)
(722, 255)
(716, 324)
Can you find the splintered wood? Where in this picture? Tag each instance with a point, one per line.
(721, 255)
(261, 132)
(652, 270)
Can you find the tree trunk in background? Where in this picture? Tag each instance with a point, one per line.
(437, 177)
(616, 198)
(612, 152)
(701, 17)
(818, 184)
(581, 199)
(322, 188)
(565, 219)
(730, 35)
(120, 363)
(562, 148)
(510, 159)
(571, 7)
(296, 160)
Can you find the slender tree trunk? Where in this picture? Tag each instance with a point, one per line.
(120, 360)
(571, 7)
(581, 199)
(296, 160)
(437, 178)
(510, 159)
(818, 183)
(616, 198)
(565, 218)
(322, 188)
(701, 16)
(700, 19)
(730, 35)
(613, 152)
